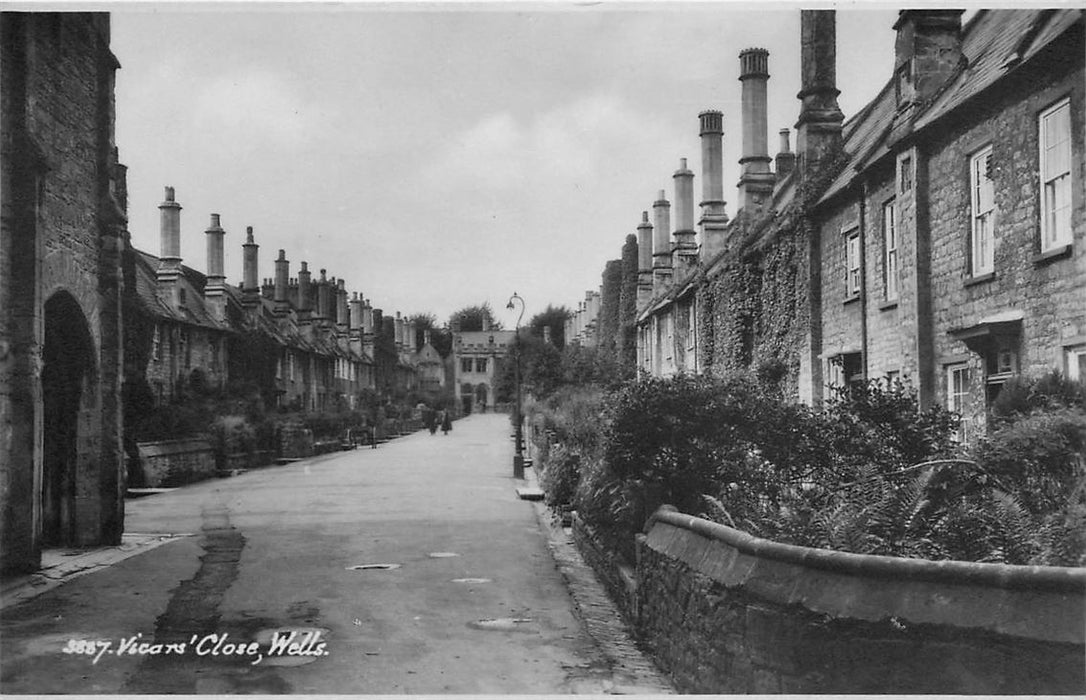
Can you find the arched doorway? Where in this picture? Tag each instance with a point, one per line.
(66, 378)
(482, 393)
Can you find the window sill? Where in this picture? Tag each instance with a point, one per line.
(1057, 253)
(979, 279)
(851, 299)
(887, 305)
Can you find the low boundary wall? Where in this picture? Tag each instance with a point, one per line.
(726, 612)
(175, 462)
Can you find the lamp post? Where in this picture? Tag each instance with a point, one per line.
(518, 458)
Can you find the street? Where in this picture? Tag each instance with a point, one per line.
(412, 568)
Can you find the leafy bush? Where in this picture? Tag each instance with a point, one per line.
(1038, 457)
(871, 473)
(232, 435)
(561, 473)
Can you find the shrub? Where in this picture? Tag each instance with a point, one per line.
(561, 473)
(1039, 457)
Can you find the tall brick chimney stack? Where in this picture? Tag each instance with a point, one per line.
(354, 324)
(661, 243)
(305, 294)
(426, 337)
(343, 311)
(927, 52)
(282, 279)
(644, 261)
(215, 289)
(367, 327)
(324, 298)
(250, 283)
(412, 337)
(818, 130)
(686, 248)
(355, 315)
(547, 335)
(713, 218)
(786, 160)
(756, 182)
(398, 333)
(169, 262)
(486, 323)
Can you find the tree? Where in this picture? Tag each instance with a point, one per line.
(471, 318)
(440, 338)
(553, 317)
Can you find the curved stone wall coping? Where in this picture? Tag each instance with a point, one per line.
(1049, 578)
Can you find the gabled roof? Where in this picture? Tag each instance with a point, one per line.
(994, 43)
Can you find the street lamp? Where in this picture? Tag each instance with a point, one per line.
(518, 458)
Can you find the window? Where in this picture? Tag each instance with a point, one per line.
(1076, 363)
(1055, 146)
(906, 183)
(852, 264)
(982, 240)
(480, 364)
(846, 370)
(889, 240)
(465, 364)
(957, 394)
(1000, 365)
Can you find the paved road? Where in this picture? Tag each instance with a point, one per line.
(472, 602)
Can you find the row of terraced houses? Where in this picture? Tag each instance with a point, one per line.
(937, 236)
(91, 327)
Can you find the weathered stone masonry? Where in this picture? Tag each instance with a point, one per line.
(61, 237)
(856, 264)
(725, 612)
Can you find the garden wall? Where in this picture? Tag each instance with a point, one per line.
(175, 462)
(726, 612)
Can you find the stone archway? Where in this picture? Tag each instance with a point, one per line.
(67, 381)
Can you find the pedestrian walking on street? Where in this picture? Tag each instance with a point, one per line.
(446, 422)
(429, 416)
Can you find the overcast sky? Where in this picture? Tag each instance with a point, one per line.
(437, 157)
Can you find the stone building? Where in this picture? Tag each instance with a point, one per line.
(936, 236)
(297, 340)
(477, 357)
(62, 231)
(430, 366)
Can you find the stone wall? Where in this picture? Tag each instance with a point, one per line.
(725, 612)
(730, 613)
(617, 577)
(176, 462)
(60, 233)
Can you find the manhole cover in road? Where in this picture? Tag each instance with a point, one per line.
(502, 624)
(471, 580)
(373, 567)
(292, 646)
(442, 555)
